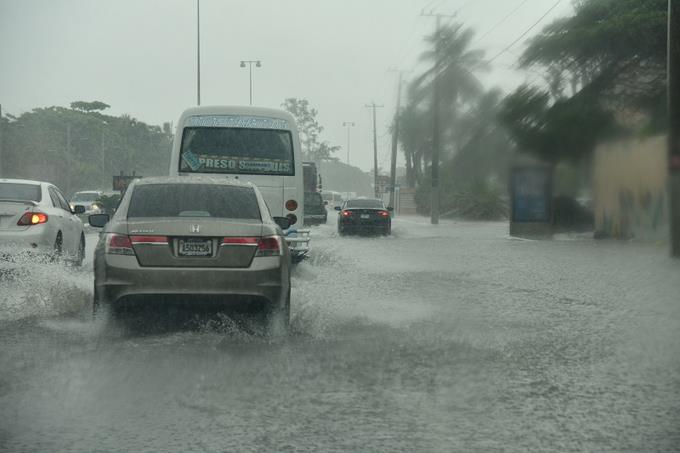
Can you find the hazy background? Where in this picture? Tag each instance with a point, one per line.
(140, 56)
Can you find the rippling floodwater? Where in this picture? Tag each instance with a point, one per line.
(454, 338)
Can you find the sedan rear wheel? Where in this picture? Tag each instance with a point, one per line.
(58, 250)
(78, 261)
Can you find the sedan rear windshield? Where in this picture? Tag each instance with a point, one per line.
(194, 200)
(370, 204)
(23, 192)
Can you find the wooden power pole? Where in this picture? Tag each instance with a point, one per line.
(434, 195)
(395, 143)
(375, 149)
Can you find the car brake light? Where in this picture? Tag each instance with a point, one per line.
(32, 218)
(384, 213)
(291, 205)
(269, 246)
(347, 213)
(118, 244)
(240, 241)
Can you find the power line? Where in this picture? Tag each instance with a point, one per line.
(525, 31)
(499, 23)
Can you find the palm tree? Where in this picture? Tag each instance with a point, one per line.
(453, 66)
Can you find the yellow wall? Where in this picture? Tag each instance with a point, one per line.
(630, 189)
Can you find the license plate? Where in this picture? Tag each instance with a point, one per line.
(365, 216)
(194, 247)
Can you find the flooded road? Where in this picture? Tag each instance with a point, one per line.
(448, 338)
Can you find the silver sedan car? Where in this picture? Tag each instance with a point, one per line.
(192, 241)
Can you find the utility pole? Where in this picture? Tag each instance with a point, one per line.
(395, 142)
(198, 52)
(68, 157)
(1, 139)
(434, 194)
(348, 125)
(375, 149)
(674, 123)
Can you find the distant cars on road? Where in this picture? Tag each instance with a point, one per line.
(36, 219)
(315, 209)
(88, 199)
(204, 239)
(364, 215)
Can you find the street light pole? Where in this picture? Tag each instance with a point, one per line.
(348, 125)
(198, 52)
(258, 64)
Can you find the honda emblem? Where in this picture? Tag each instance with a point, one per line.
(195, 228)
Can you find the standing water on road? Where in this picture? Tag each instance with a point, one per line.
(454, 348)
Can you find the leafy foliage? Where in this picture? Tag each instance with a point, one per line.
(94, 106)
(309, 130)
(605, 65)
(78, 150)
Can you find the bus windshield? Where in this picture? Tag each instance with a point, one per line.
(237, 151)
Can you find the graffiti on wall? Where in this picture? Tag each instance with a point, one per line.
(630, 192)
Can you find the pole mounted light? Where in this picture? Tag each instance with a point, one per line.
(258, 64)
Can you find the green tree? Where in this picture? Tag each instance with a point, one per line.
(605, 63)
(94, 106)
(453, 64)
(309, 130)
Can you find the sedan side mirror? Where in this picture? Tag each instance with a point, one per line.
(98, 220)
(338, 208)
(78, 209)
(283, 222)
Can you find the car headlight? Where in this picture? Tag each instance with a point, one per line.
(96, 208)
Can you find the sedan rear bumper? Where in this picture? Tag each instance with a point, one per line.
(121, 280)
(33, 240)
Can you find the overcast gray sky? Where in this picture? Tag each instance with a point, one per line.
(139, 56)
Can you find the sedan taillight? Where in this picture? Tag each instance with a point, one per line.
(118, 244)
(32, 218)
(269, 246)
(346, 213)
(384, 213)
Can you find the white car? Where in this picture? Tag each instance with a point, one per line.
(88, 199)
(36, 218)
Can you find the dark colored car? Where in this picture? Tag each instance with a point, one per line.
(364, 215)
(315, 209)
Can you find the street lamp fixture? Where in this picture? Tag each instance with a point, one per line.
(258, 64)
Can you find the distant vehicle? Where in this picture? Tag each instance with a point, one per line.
(315, 209)
(35, 218)
(310, 177)
(364, 215)
(204, 238)
(248, 144)
(332, 199)
(88, 199)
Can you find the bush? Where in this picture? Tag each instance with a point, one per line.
(480, 200)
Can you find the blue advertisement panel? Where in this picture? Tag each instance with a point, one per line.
(531, 194)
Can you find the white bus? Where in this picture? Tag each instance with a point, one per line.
(250, 144)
